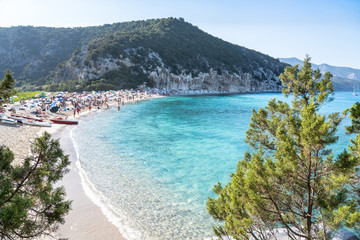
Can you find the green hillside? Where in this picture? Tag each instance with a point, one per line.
(181, 46)
(37, 54)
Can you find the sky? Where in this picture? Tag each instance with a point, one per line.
(327, 30)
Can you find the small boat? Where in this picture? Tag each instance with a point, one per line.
(18, 118)
(36, 123)
(6, 120)
(15, 116)
(63, 121)
(354, 92)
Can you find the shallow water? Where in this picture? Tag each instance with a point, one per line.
(153, 164)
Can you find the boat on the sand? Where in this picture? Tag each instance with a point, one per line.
(64, 121)
(20, 117)
(36, 123)
(6, 120)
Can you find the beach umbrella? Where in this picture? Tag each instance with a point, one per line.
(54, 109)
(53, 104)
(38, 95)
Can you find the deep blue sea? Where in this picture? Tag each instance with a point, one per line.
(153, 165)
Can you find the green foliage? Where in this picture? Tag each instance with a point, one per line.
(7, 87)
(123, 78)
(181, 46)
(34, 53)
(292, 181)
(355, 119)
(127, 78)
(354, 128)
(25, 95)
(30, 206)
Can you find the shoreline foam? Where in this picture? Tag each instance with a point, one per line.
(86, 220)
(101, 201)
(111, 225)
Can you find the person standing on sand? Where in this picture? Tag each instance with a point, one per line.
(74, 112)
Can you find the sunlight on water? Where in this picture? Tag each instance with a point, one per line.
(156, 162)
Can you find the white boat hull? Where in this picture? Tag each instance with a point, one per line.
(35, 123)
(8, 121)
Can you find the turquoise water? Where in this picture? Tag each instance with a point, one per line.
(155, 163)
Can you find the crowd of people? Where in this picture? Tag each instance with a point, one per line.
(45, 105)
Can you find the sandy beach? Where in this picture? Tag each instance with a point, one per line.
(86, 219)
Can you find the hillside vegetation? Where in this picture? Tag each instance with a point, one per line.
(36, 55)
(180, 45)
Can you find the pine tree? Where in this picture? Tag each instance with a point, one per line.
(30, 206)
(292, 182)
(7, 87)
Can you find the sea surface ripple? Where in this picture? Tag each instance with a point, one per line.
(153, 165)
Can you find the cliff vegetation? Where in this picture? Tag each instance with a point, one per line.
(164, 53)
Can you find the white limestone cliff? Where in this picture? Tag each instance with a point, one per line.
(163, 78)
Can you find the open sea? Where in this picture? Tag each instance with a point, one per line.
(152, 166)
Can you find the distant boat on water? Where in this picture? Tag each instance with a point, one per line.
(354, 92)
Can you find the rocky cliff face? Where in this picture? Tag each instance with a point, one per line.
(212, 82)
(160, 74)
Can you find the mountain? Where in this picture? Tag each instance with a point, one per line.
(163, 53)
(342, 72)
(33, 53)
(344, 78)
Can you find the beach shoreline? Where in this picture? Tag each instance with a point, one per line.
(86, 220)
